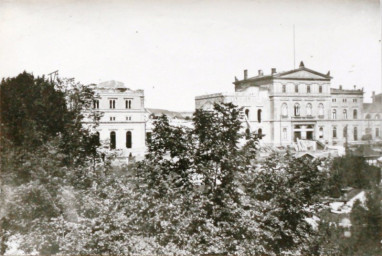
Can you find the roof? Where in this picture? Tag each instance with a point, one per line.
(300, 72)
(112, 84)
(372, 107)
(343, 91)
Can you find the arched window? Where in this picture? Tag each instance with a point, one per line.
(97, 138)
(355, 114)
(345, 132)
(334, 132)
(320, 89)
(308, 89)
(284, 88)
(259, 115)
(128, 139)
(334, 114)
(377, 116)
(260, 133)
(112, 140)
(309, 109)
(247, 133)
(368, 116)
(345, 113)
(321, 132)
(247, 113)
(297, 109)
(284, 110)
(285, 133)
(321, 110)
(355, 133)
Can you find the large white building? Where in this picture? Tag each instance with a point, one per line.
(299, 104)
(122, 126)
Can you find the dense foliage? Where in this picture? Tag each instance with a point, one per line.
(199, 190)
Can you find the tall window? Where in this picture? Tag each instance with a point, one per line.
(376, 132)
(321, 110)
(97, 138)
(259, 115)
(284, 88)
(344, 100)
(309, 109)
(297, 109)
(128, 139)
(308, 88)
(112, 140)
(320, 89)
(334, 132)
(127, 104)
(296, 88)
(284, 110)
(321, 132)
(355, 114)
(345, 132)
(345, 112)
(260, 133)
(247, 113)
(285, 133)
(112, 104)
(355, 133)
(96, 104)
(334, 114)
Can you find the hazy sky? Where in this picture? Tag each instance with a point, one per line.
(176, 50)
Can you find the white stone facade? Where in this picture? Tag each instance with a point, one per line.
(122, 126)
(297, 104)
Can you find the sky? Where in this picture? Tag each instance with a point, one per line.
(178, 49)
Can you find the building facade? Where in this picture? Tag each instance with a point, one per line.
(122, 126)
(297, 104)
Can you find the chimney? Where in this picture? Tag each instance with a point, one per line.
(260, 72)
(340, 87)
(355, 87)
(245, 74)
(273, 71)
(373, 97)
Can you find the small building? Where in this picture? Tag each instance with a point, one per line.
(122, 126)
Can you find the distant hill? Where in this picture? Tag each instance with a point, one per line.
(169, 113)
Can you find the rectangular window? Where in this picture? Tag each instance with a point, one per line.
(285, 133)
(344, 100)
(334, 114)
(354, 100)
(321, 133)
(355, 133)
(96, 104)
(308, 89)
(112, 118)
(334, 100)
(128, 118)
(284, 88)
(320, 89)
(128, 104)
(112, 104)
(376, 132)
(296, 88)
(334, 132)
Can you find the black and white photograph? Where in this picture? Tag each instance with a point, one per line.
(191, 127)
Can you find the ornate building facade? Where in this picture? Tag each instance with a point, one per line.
(299, 104)
(122, 126)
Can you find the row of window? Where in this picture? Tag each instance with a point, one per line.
(112, 104)
(344, 114)
(113, 139)
(344, 100)
(377, 116)
(259, 112)
(112, 118)
(297, 109)
(297, 86)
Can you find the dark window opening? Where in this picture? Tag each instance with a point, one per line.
(128, 139)
(112, 140)
(259, 115)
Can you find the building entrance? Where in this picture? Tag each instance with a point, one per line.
(303, 132)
